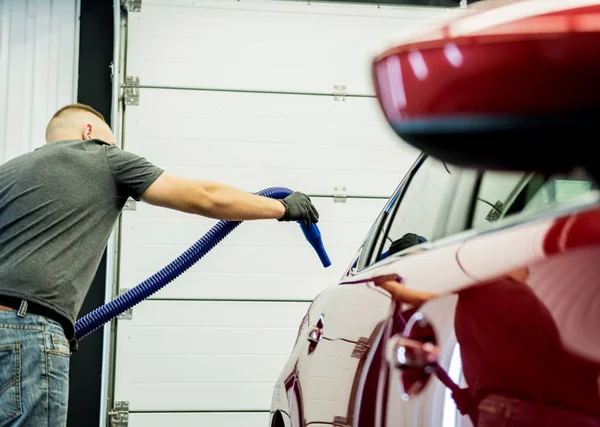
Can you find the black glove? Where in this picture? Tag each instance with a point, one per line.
(406, 241)
(298, 207)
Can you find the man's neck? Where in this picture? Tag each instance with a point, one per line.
(58, 139)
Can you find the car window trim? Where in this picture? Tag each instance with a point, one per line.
(439, 227)
(468, 224)
(519, 217)
(516, 192)
(512, 197)
(392, 214)
(372, 241)
(358, 258)
(494, 227)
(468, 181)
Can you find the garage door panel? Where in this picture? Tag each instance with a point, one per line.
(261, 45)
(173, 112)
(258, 140)
(209, 369)
(246, 259)
(239, 260)
(246, 419)
(277, 157)
(258, 235)
(322, 182)
(186, 356)
(342, 226)
(258, 260)
(216, 314)
(232, 340)
(200, 397)
(286, 286)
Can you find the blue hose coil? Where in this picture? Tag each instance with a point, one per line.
(92, 321)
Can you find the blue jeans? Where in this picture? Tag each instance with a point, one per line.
(34, 371)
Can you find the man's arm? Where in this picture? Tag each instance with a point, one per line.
(138, 178)
(399, 292)
(406, 295)
(213, 199)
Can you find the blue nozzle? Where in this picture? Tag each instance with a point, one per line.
(313, 235)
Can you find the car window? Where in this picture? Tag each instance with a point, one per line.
(503, 194)
(417, 214)
(378, 226)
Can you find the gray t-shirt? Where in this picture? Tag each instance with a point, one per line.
(58, 206)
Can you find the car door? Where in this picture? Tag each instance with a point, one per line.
(319, 384)
(318, 379)
(436, 196)
(351, 316)
(513, 323)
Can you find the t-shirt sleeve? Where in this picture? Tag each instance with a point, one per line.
(132, 174)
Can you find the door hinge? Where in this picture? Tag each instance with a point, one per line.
(361, 348)
(341, 421)
(339, 92)
(130, 205)
(132, 5)
(126, 315)
(339, 194)
(119, 416)
(131, 90)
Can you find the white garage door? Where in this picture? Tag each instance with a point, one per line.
(242, 92)
(38, 69)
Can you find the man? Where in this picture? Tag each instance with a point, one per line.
(58, 205)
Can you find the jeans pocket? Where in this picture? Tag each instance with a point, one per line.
(10, 383)
(59, 345)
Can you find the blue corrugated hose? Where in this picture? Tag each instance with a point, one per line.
(92, 321)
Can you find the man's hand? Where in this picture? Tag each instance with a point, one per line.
(298, 207)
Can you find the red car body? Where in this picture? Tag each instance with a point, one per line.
(494, 319)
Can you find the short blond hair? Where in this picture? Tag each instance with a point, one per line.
(63, 114)
(81, 107)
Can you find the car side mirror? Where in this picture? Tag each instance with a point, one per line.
(490, 95)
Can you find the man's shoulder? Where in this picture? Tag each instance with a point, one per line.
(90, 144)
(65, 145)
(19, 160)
(59, 154)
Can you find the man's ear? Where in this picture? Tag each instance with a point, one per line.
(87, 132)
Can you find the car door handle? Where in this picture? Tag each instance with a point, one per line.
(315, 334)
(413, 360)
(413, 354)
(405, 353)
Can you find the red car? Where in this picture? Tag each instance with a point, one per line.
(475, 297)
